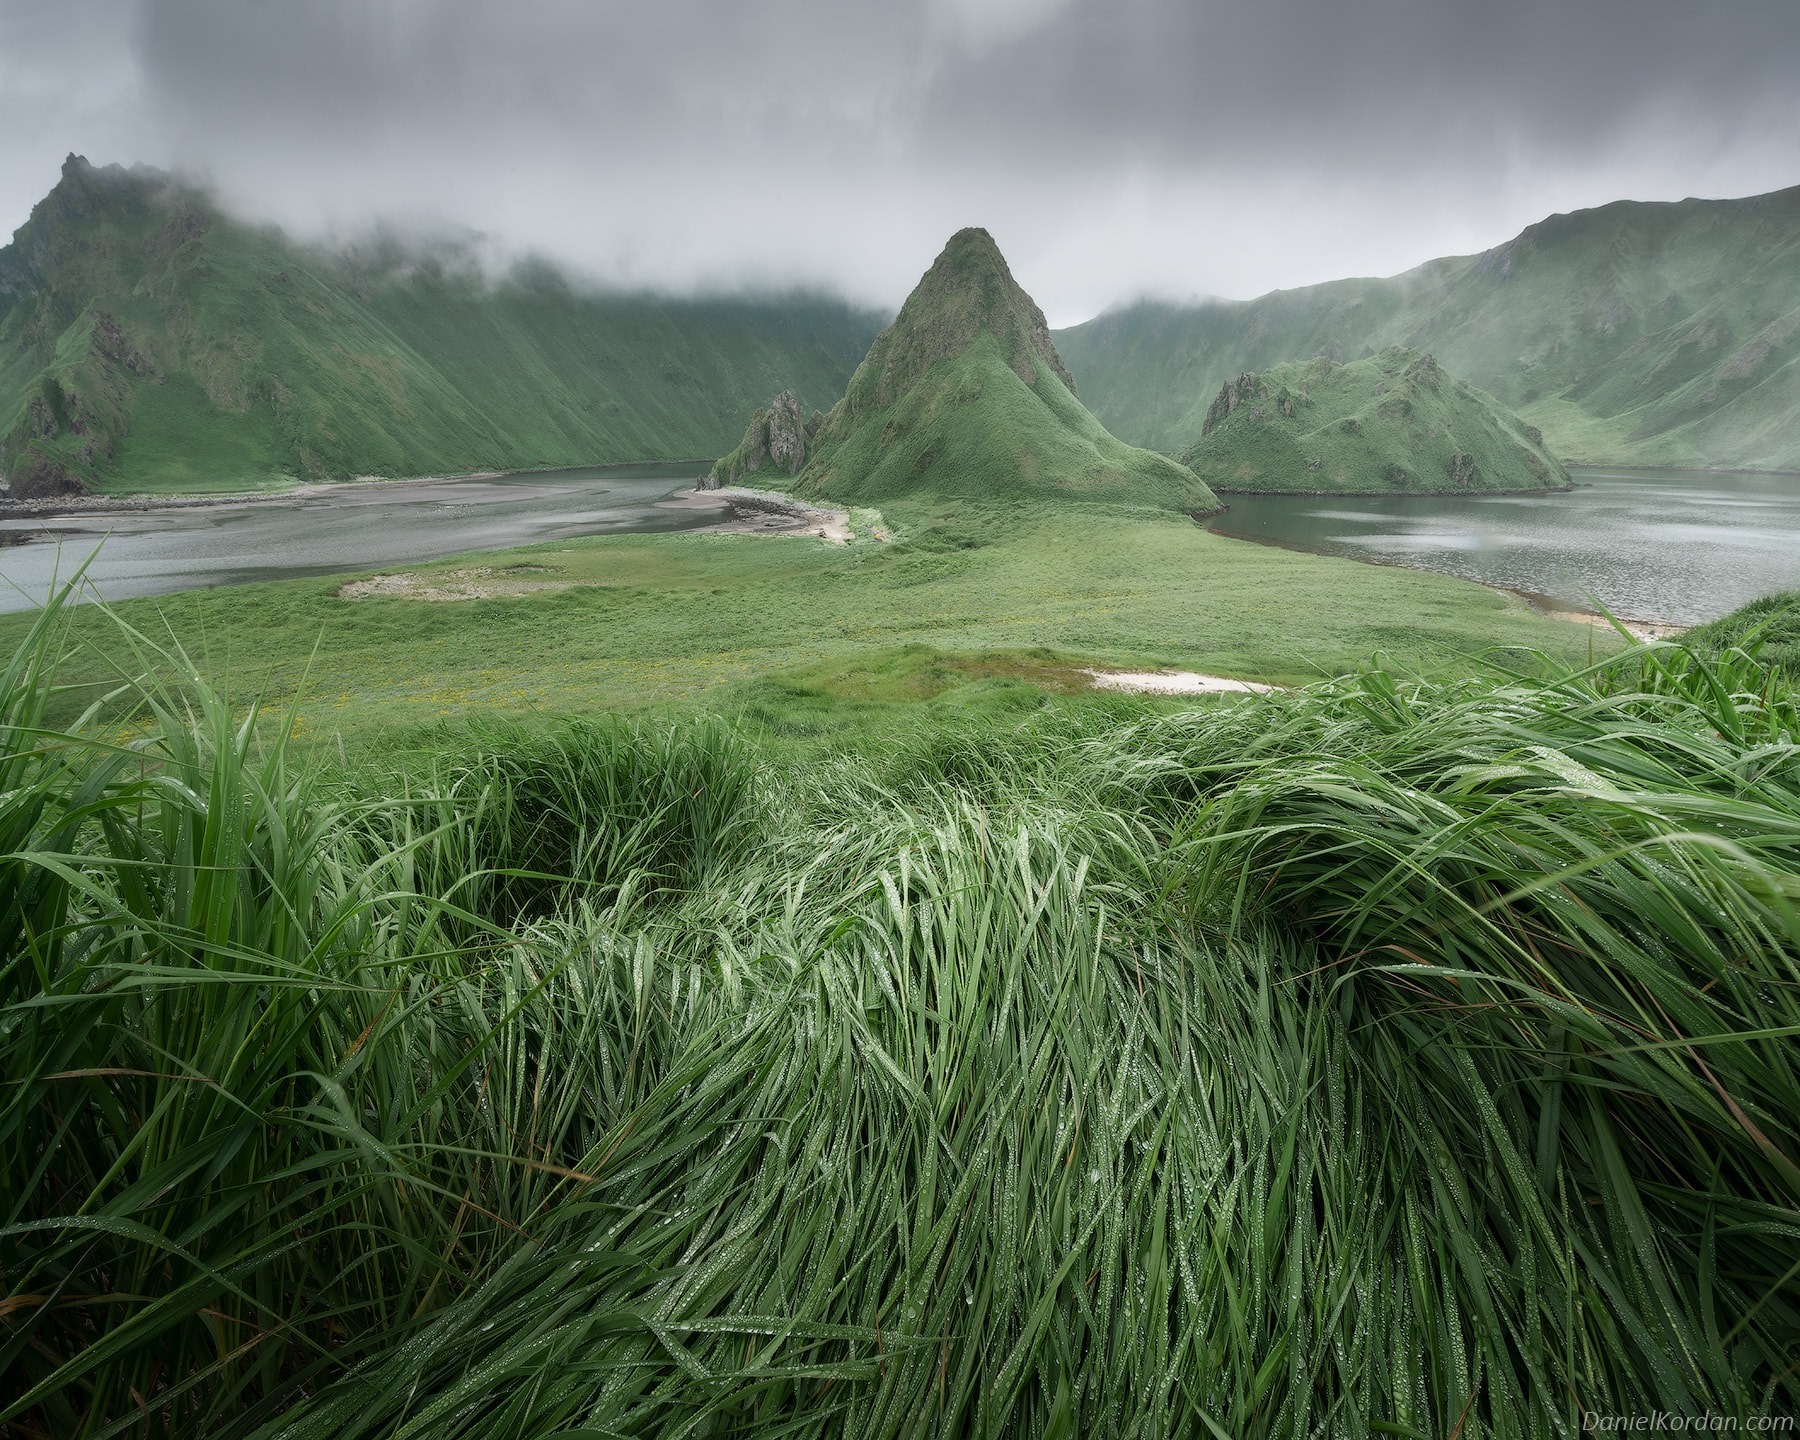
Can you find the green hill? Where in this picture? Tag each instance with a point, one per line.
(1395, 423)
(150, 342)
(1650, 334)
(965, 395)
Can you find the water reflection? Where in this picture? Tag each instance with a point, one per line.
(1674, 547)
(342, 529)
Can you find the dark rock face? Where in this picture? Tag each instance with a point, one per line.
(1232, 394)
(1462, 469)
(40, 419)
(787, 433)
(1425, 371)
(776, 436)
(112, 343)
(38, 476)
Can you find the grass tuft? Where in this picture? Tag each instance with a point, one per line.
(1389, 1057)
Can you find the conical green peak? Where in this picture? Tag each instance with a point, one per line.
(964, 394)
(968, 291)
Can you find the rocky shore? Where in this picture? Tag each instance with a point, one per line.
(766, 512)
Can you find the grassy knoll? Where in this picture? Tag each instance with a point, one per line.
(1388, 1058)
(707, 619)
(150, 342)
(1395, 423)
(1650, 334)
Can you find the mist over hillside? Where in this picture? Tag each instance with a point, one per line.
(150, 341)
(1657, 334)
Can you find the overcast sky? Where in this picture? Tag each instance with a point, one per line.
(1114, 147)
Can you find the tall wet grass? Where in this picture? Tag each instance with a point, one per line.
(1392, 1059)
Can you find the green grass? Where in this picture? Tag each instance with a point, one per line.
(1389, 1058)
(179, 444)
(1648, 334)
(708, 620)
(1396, 423)
(1769, 626)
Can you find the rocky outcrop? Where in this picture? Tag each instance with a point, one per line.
(109, 341)
(38, 476)
(1232, 394)
(787, 433)
(1245, 389)
(777, 436)
(1397, 423)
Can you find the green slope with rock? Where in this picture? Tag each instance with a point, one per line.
(965, 395)
(1397, 423)
(148, 341)
(1650, 334)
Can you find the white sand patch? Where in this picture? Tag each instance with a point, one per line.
(1173, 682)
(484, 582)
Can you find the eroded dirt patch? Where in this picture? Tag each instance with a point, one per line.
(481, 582)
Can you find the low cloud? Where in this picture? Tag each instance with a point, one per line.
(1115, 147)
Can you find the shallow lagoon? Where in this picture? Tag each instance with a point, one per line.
(1673, 547)
(1669, 546)
(337, 529)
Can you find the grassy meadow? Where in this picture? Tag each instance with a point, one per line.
(972, 605)
(1398, 1056)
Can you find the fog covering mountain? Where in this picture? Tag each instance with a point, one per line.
(1654, 334)
(149, 341)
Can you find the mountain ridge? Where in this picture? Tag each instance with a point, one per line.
(150, 341)
(1639, 332)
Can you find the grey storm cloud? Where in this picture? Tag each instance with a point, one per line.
(1115, 147)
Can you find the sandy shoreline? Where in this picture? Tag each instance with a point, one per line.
(765, 512)
(1640, 629)
(75, 506)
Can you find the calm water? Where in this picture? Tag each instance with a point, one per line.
(1680, 548)
(364, 528)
